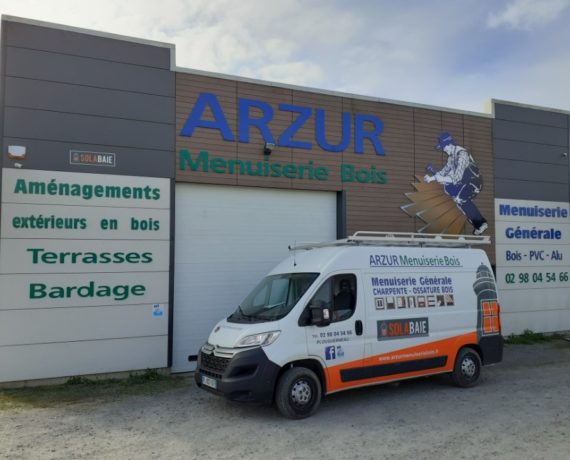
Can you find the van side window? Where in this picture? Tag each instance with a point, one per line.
(338, 294)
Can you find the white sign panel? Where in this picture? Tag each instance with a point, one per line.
(82, 189)
(95, 245)
(83, 256)
(533, 261)
(78, 222)
(67, 290)
(533, 256)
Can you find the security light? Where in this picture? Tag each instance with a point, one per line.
(268, 148)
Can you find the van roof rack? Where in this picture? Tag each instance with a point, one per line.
(365, 238)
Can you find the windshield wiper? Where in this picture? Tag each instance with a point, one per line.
(261, 314)
(242, 314)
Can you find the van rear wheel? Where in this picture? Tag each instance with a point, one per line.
(467, 368)
(298, 393)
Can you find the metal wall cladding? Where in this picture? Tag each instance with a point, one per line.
(83, 44)
(66, 90)
(409, 138)
(531, 153)
(100, 301)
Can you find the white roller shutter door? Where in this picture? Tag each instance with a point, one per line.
(227, 239)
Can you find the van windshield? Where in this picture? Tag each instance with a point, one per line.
(273, 298)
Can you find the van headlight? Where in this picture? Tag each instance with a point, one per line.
(258, 340)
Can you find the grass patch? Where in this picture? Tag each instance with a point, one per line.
(529, 337)
(81, 389)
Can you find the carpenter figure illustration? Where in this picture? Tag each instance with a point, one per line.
(461, 180)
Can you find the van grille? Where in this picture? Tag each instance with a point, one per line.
(213, 365)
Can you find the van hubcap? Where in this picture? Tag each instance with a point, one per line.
(468, 367)
(301, 393)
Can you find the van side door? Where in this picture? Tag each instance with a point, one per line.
(413, 323)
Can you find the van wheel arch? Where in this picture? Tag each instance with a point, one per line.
(311, 364)
(474, 347)
(477, 348)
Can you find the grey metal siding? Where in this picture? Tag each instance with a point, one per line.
(80, 44)
(530, 115)
(79, 70)
(524, 190)
(531, 153)
(523, 151)
(87, 100)
(70, 91)
(539, 172)
(528, 132)
(130, 161)
(72, 127)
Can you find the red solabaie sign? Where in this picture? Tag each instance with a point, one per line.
(79, 157)
(403, 328)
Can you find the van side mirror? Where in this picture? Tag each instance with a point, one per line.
(320, 316)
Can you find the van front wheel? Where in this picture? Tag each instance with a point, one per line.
(467, 368)
(298, 393)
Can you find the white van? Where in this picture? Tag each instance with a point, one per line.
(369, 309)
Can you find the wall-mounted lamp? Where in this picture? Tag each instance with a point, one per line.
(16, 152)
(268, 148)
(564, 154)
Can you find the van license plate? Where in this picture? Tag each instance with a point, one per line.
(209, 382)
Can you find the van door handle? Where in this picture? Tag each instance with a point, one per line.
(358, 327)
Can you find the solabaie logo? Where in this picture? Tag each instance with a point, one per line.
(383, 329)
(403, 328)
(79, 157)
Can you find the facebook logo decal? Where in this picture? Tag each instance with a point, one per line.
(330, 353)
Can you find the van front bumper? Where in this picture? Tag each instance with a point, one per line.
(248, 376)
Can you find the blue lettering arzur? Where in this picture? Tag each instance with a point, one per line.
(207, 113)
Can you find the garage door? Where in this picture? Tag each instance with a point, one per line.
(227, 239)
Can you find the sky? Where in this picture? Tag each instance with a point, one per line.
(450, 53)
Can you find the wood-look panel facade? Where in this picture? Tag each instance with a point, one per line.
(409, 137)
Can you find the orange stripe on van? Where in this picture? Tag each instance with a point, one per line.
(440, 348)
